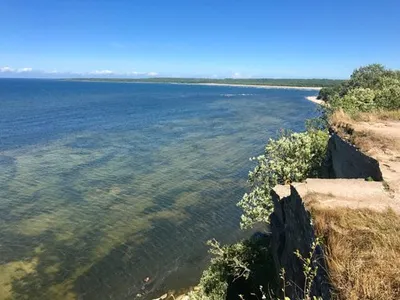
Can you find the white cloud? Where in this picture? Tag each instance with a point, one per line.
(52, 72)
(24, 70)
(12, 70)
(6, 70)
(134, 73)
(236, 75)
(102, 72)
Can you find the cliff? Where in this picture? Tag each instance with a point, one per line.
(300, 215)
(335, 237)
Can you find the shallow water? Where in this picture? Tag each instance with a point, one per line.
(104, 184)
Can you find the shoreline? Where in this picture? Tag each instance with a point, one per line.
(315, 100)
(255, 86)
(309, 88)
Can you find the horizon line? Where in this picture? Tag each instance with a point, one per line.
(173, 77)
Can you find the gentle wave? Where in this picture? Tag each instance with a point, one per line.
(104, 185)
(234, 95)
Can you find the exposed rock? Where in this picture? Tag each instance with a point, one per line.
(291, 231)
(348, 162)
(291, 224)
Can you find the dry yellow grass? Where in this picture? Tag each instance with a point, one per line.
(348, 127)
(340, 118)
(379, 115)
(368, 140)
(363, 252)
(341, 122)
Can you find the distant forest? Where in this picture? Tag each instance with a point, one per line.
(261, 81)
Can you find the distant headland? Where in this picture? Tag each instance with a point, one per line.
(309, 84)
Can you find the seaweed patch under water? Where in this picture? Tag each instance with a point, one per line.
(88, 214)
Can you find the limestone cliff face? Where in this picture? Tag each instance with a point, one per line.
(292, 230)
(291, 223)
(345, 161)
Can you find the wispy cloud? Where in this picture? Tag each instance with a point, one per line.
(240, 75)
(12, 70)
(54, 71)
(135, 73)
(24, 70)
(7, 71)
(236, 75)
(102, 72)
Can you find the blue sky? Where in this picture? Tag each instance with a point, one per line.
(236, 38)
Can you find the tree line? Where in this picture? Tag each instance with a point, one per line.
(250, 81)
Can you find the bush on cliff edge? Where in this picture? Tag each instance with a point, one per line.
(289, 158)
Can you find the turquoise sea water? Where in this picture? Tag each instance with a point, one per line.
(105, 184)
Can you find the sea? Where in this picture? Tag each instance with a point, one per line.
(111, 190)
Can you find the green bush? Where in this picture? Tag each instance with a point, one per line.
(241, 267)
(245, 268)
(388, 95)
(357, 99)
(291, 157)
(230, 260)
(369, 88)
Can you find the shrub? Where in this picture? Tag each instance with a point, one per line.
(358, 99)
(370, 88)
(291, 157)
(388, 97)
(237, 269)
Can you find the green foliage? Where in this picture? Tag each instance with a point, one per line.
(326, 93)
(357, 99)
(388, 95)
(369, 88)
(291, 157)
(367, 76)
(236, 261)
(230, 260)
(310, 269)
(230, 263)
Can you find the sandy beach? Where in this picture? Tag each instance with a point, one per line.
(315, 100)
(261, 86)
(310, 98)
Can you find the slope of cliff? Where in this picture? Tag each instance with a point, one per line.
(329, 201)
(356, 217)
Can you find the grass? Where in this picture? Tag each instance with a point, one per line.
(341, 122)
(363, 252)
(340, 119)
(345, 125)
(378, 115)
(367, 140)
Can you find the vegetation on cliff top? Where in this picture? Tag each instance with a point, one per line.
(289, 158)
(293, 157)
(363, 252)
(370, 88)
